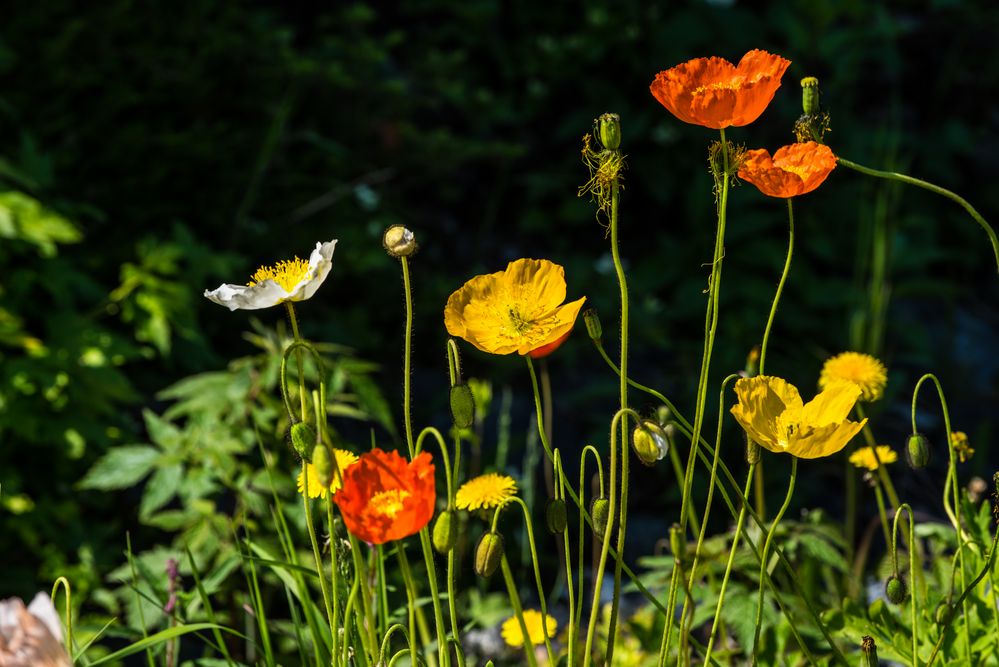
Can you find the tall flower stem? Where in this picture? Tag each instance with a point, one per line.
(766, 551)
(780, 287)
(407, 575)
(298, 355)
(912, 570)
(407, 358)
(518, 611)
(894, 176)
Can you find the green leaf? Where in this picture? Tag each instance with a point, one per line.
(821, 550)
(120, 468)
(161, 488)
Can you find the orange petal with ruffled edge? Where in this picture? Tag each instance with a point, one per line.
(793, 170)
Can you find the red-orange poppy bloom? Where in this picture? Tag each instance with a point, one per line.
(715, 93)
(385, 497)
(793, 170)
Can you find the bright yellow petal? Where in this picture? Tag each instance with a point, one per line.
(536, 287)
(315, 488)
(814, 443)
(832, 405)
(762, 400)
(550, 329)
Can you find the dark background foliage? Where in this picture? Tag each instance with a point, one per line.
(187, 143)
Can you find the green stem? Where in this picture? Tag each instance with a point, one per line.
(407, 357)
(310, 525)
(912, 569)
(766, 551)
(518, 611)
(298, 355)
(582, 525)
(891, 175)
(780, 287)
(407, 575)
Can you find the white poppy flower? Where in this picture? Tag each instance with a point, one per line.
(288, 280)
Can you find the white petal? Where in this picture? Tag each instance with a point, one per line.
(42, 609)
(320, 263)
(241, 297)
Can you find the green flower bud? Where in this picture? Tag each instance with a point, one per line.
(677, 542)
(943, 613)
(445, 533)
(599, 514)
(869, 650)
(810, 95)
(462, 406)
(609, 126)
(322, 461)
(752, 451)
(896, 590)
(399, 241)
(917, 450)
(488, 554)
(556, 516)
(592, 321)
(649, 442)
(303, 439)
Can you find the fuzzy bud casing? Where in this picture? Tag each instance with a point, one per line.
(942, 613)
(609, 128)
(677, 542)
(399, 241)
(592, 321)
(445, 533)
(322, 461)
(303, 439)
(462, 406)
(488, 554)
(752, 452)
(600, 514)
(896, 590)
(917, 450)
(556, 516)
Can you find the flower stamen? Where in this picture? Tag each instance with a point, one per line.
(287, 273)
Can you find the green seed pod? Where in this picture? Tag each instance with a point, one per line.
(462, 406)
(399, 241)
(677, 542)
(649, 442)
(303, 439)
(322, 461)
(445, 532)
(556, 516)
(870, 651)
(917, 450)
(810, 95)
(609, 126)
(943, 613)
(488, 554)
(752, 451)
(592, 321)
(896, 590)
(600, 514)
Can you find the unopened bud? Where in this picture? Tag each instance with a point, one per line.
(322, 461)
(677, 542)
(399, 241)
(810, 95)
(753, 362)
(488, 554)
(917, 450)
(445, 532)
(303, 439)
(609, 126)
(943, 613)
(649, 442)
(896, 590)
(462, 406)
(599, 513)
(752, 452)
(556, 516)
(592, 321)
(869, 650)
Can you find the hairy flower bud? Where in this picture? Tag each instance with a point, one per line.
(752, 451)
(322, 461)
(649, 442)
(943, 613)
(810, 95)
(600, 514)
(462, 406)
(917, 450)
(870, 651)
(896, 590)
(445, 533)
(399, 241)
(609, 128)
(592, 321)
(303, 439)
(556, 516)
(488, 554)
(677, 542)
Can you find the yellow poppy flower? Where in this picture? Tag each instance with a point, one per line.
(517, 310)
(771, 412)
(513, 635)
(864, 457)
(344, 460)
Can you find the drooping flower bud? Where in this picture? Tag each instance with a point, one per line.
(896, 590)
(870, 651)
(445, 533)
(322, 461)
(600, 514)
(488, 554)
(303, 439)
(399, 241)
(592, 321)
(462, 405)
(609, 127)
(810, 95)
(649, 442)
(677, 542)
(917, 450)
(556, 516)
(943, 613)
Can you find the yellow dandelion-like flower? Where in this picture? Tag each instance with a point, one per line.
(485, 491)
(344, 460)
(537, 628)
(861, 369)
(864, 457)
(959, 442)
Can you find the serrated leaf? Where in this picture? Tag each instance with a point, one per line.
(161, 488)
(120, 468)
(818, 548)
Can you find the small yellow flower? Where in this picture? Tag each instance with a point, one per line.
(864, 457)
(517, 310)
(959, 441)
(485, 492)
(772, 414)
(537, 628)
(861, 369)
(344, 460)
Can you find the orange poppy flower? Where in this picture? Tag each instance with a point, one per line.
(714, 93)
(385, 497)
(793, 170)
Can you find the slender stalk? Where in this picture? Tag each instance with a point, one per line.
(407, 357)
(891, 175)
(310, 525)
(298, 355)
(912, 570)
(518, 611)
(407, 575)
(780, 287)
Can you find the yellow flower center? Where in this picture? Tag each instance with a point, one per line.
(388, 503)
(731, 84)
(517, 321)
(798, 171)
(286, 273)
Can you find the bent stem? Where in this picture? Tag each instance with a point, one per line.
(912, 568)
(780, 287)
(894, 176)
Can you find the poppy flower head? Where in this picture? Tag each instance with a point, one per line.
(385, 497)
(793, 170)
(712, 92)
